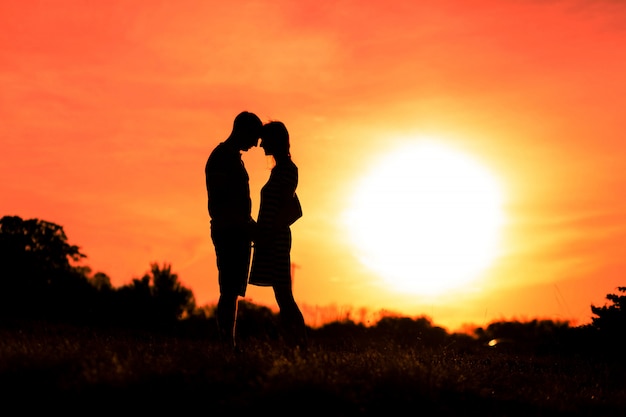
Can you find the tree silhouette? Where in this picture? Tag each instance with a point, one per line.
(38, 272)
(410, 332)
(534, 335)
(158, 298)
(173, 301)
(40, 278)
(29, 248)
(101, 281)
(610, 320)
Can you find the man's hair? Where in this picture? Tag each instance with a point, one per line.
(246, 121)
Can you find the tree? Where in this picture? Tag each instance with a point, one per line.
(173, 301)
(40, 278)
(157, 298)
(38, 267)
(534, 335)
(408, 331)
(101, 281)
(34, 246)
(611, 319)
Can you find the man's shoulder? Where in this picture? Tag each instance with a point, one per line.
(219, 149)
(222, 157)
(218, 153)
(225, 150)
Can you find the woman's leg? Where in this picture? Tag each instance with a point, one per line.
(291, 315)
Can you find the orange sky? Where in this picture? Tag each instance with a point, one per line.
(110, 109)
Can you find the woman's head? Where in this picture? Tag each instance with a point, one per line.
(275, 139)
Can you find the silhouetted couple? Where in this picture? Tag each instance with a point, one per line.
(233, 230)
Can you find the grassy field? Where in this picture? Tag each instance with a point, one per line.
(81, 369)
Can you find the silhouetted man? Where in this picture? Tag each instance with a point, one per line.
(232, 226)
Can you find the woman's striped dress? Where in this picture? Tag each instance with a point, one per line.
(271, 260)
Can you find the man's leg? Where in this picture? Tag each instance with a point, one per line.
(226, 318)
(233, 260)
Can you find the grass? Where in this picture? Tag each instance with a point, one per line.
(78, 368)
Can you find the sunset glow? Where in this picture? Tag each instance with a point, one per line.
(109, 110)
(427, 219)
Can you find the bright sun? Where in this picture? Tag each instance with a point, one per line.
(427, 219)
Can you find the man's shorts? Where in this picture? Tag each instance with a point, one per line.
(232, 251)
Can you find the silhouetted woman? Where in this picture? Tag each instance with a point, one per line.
(271, 261)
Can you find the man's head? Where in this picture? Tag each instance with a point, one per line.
(246, 130)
